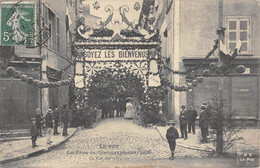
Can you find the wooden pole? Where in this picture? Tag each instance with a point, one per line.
(219, 145)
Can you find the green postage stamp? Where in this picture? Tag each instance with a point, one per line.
(18, 23)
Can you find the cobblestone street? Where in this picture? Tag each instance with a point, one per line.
(111, 140)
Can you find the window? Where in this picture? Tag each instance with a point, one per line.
(238, 28)
(45, 16)
(52, 22)
(52, 27)
(58, 34)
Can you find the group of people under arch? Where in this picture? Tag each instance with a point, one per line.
(129, 107)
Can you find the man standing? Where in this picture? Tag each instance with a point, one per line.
(117, 108)
(103, 107)
(65, 119)
(207, 111)
(183, 122)
(203, 124)
(39, 121)
(192, 114)
(56, 120)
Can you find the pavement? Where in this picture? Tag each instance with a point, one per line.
(112, 139)
(249, 140)
(191, 143)
(19, 148)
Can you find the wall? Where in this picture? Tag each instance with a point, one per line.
(199, 21)
(27, 98)
(60, 60)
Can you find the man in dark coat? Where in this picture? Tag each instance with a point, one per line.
(39, 121)
(192, 114)
(65, 119)
(207, 111)
(122, 106)
(183, 118)
(34, 132)
(103, 108)
(171, 135)
(110, 107)
(117, 107)
(203, 124)
(56, 120)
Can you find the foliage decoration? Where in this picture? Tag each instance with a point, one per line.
(30, 80)
(241, 69)
(206, 73)
(200, 79)
(24, 78)
(213, 66)
(226, 124)
(10, 71)
(36, 82)
(17, 74)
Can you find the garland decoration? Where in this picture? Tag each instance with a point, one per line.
(195, 82)
(215, 46)
(11, 71)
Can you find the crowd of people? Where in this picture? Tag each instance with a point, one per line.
(112, 107)
(49, 122)
(187, 120)
(128, 108)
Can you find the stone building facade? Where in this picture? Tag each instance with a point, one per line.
(48, 60)
(188, 30)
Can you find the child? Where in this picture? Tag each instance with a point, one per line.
(34, 132)
(172, 135)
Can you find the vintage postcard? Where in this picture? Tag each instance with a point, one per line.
(129, 84)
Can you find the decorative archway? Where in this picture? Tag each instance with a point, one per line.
(118, 38)
(139, 61)
(108, 91)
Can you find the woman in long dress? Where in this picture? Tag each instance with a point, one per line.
(129, 110)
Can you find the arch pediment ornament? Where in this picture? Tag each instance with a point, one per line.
(120, 20)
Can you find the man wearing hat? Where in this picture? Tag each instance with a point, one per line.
(203, 123)
(65, 119)
(171, 135)
(39, 121)
(34, 132)
(192, 114)
(183, 118)
(207, 111)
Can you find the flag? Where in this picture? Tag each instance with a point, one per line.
(225, 56)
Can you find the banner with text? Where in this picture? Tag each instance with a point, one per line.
(115, 55)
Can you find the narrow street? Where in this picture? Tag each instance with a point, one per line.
(112, 140)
